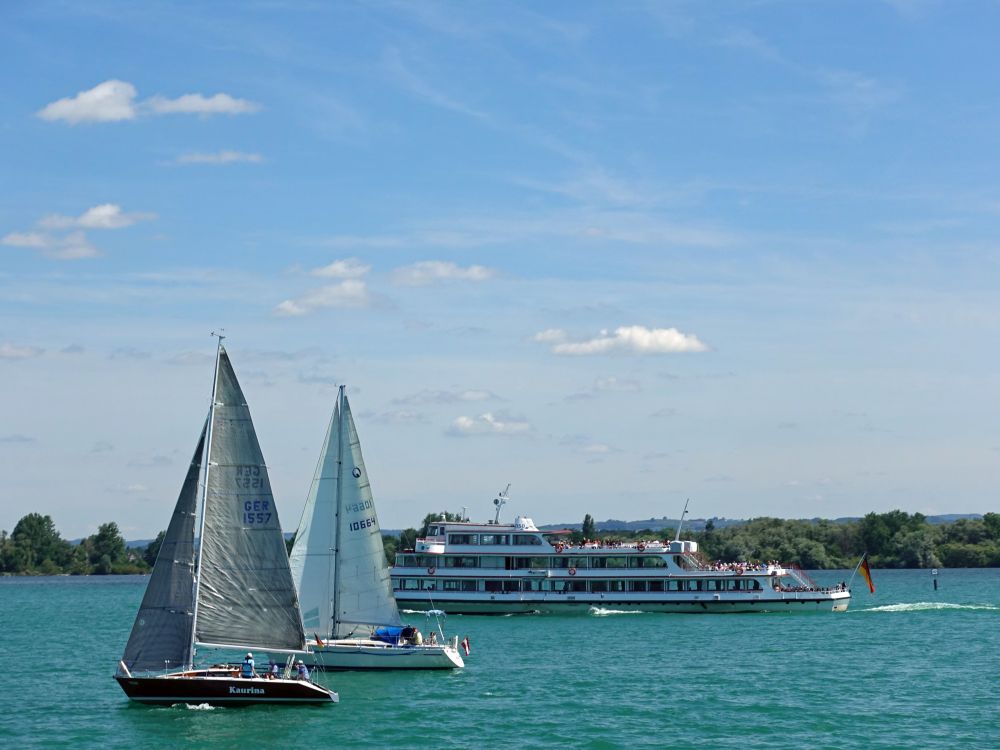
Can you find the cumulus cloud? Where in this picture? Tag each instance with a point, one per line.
(64, 238)
(110, 101)
(114, 101)
(104, 216)
(350, 293)
(346, 268)
(197, 104)
(634, 339)
(437, 271)
(13, 351)
(220, 157)
(488, 424)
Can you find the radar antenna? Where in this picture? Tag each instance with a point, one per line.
(499, 501)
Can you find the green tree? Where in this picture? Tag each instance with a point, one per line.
(36, 541)
(153, 549)
(407, 539)
(589, 529)
(106, 543)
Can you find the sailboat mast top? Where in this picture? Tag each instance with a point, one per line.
(338, 509)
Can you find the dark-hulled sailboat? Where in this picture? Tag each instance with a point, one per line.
(233, 590)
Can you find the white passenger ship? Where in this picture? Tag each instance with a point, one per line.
(493, 568)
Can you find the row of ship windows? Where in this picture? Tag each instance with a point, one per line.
(490, 539)
(531, 584)
(502, 562)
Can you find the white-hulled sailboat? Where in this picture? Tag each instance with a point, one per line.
(341, 574)
(233, 590)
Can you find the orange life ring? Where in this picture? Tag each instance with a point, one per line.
(572, 571)
(642, 547)
(431, 570)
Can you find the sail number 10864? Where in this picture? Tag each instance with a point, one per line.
(363, 524)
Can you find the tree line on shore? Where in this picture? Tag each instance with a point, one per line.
(892, 540)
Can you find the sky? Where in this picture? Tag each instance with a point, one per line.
(617, 255)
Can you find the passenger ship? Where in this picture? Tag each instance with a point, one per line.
(494, 568)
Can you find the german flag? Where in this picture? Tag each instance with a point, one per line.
(866, 572)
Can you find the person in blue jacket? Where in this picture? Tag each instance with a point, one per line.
(248, 667)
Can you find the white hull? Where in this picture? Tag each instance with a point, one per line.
(364, 654)
(520, 604)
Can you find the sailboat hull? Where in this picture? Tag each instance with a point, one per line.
(352, 654)
(220, 687)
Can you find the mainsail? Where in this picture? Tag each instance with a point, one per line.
(338, 561)
(161, 635)
(245, 594)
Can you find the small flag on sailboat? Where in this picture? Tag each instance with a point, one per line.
(465, 645)
(866, 572)
(319, 641)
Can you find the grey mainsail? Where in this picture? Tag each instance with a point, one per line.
(245, 593)
(338, 560)
(161, 635)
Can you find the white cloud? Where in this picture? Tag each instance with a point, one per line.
(34, 240)
(635, 339)
(550, 336)
(13, 351)
(104, 216)
(447, 397)
(220, 157)
(347, 268)
(113, 101)
(110, 101)
(74, 245)
(488, 424)
(197, 104)
(434, 271)
(350, 293)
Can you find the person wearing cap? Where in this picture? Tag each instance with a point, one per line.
(248, 666)
(303, 671)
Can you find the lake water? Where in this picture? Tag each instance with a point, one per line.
(907, 667)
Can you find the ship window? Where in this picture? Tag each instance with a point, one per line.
(428, 584)
(411, 584)
(531, 584)
(610, 562)
(491, 561)
(458, 561)
(637, 585)
(565, 561)
(432, 531)
(618, 585)
(732, 585)
(653, 561)
(675, 586)
(529, 539)
(406, 561)
(576, 586)
(494, 538)
(598, 585)
(657, 585)
(513, 585)
(464, 538)
(450, 585)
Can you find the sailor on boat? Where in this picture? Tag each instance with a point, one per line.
(248, 667)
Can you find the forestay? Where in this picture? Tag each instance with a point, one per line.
(161, 635)
(245, 590)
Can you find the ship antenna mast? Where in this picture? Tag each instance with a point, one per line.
(499, 501)
(678, 537)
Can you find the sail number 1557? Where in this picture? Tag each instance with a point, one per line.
(256, 511)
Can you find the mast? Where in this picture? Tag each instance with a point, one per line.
(335, 619)
(681, 522)
(204, 495)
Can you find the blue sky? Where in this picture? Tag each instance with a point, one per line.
(616, 254)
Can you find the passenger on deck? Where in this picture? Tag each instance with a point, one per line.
(302, 671)
(248, 667)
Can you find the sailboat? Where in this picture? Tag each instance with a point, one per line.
(231, 588)
(341, 574)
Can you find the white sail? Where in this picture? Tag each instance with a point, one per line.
(245, 594)
(338, 560)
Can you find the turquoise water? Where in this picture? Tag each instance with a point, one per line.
(907, 667)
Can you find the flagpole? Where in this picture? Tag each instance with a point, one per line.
(856, 568)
